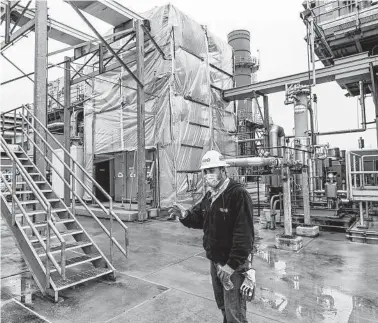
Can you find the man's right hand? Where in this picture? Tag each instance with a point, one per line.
(176, 211)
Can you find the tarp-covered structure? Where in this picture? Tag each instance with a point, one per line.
(185, 112)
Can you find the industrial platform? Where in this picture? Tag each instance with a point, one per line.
(166, 279)
(364, 235)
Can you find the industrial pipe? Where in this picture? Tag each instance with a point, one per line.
(253, 161)
(272, 199)
(275, 133)
(274, 210)
(313, 135)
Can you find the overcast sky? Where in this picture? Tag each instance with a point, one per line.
(276, 31)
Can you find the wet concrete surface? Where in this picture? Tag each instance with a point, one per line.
(166, 279)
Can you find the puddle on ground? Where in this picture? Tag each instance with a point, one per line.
(318, 303)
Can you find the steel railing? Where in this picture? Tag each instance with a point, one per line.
(28, 120)
(16, 164)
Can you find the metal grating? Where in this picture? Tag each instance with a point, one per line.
(80, 277)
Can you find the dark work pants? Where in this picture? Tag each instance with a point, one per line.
(229, 302)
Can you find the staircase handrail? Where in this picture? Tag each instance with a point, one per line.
(113, 240)
(46, 206)
(109, 212)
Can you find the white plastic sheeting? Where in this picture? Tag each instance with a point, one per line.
(185, 113)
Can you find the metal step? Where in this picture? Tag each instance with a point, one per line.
(42, 212)
(36, 201)
(79, 260)
(8, 158)
(27, 192)
(57, 248)
(79, 278)
(43, 223)
(37, 182)
(63, 234)
(34, 174)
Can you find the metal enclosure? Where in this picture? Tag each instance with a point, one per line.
(125, 176)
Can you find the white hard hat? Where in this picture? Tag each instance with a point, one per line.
(212, 159)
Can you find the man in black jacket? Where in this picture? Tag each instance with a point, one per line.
(226, 216)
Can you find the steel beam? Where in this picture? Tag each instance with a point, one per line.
(57, 30)
(7, 23)
(141, 153)
(106, 69)
(66, 131)
(20, 17)
(109, 11)
(40, 80)
(16, 35)
(73, 5)
(353, 68)
(27, 76)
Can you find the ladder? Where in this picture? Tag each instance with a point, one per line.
(57, 249)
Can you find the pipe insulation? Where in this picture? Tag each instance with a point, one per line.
(254, 161)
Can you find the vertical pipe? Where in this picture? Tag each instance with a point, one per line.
(361, 175)
(367, 209)
(67, 120)
(266, 120)
(142, 214)
(258, 196)
(287, 201)
(354, 168)
(313, 52)
(362, 105)
(361, 214)
(306, 196)
(40, 84)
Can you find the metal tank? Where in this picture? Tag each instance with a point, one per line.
(245, 65)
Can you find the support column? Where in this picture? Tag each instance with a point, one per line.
(142, 214)
(67, 121)
(266, 120)
(7, 22)
(306, 197)
(287, 241)
(40, 79)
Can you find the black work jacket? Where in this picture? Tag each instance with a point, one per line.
(227, 225)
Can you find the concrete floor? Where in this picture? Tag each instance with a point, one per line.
(166, 279)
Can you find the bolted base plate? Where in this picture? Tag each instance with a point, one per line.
(292, 243)
(308, 231)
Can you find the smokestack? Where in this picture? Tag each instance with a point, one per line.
(245, 65)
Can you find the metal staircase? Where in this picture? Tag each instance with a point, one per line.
(56, 247)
